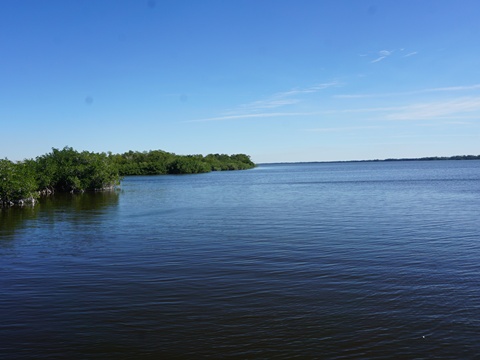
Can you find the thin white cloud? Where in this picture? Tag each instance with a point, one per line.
(378, 59)
(362, 110)
(437, 110)
(283, 114)
(381, 55)
(249, 116)
(457, 123)
(260, 108)
(339, 129)
(358, 96)
(430, 136)
(455, 88)
(466, 108)
(453, 110)
(385, 52)
(413, 92)
(410, 54)
(267, 104)
(282, 98)
(311, 89)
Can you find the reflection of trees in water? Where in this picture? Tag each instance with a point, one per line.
(87, 201)
(13, 217)
(64, 207)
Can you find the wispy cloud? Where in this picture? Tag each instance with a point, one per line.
(437, 110)
(412, 92)
(286, 114)
(311, 89)
(457, 123)
(381, 55)
(451, 107)
(362, 110)
(384, 54)
(454, 109)
(282, 98)
(341, 129)
(455, 88)
(272, 103)
(410, 54)
(261, 108)
(250, 116)
(431, 136)
(359, 96)
(378, 59)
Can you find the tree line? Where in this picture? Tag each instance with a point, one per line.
(433, 158)
(68, 170)
(161, 162)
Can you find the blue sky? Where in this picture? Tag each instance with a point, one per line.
(280, 80)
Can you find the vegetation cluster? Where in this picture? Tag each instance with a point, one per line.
(68, 170)
(432, 158)
(161, 162)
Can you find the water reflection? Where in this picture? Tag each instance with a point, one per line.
(78, 208)
(13, 217)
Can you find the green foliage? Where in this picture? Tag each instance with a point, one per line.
(187, 165)
(160, 162)
(219, 162)
(143, 163)
(17, 182)
(68, 170)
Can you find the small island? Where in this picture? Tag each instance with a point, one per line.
(68, 170)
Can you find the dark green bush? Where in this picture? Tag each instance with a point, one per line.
(17, 182)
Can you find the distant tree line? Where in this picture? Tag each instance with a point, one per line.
(68, 170)
(160, 162)
(428, 158)
(431, 158)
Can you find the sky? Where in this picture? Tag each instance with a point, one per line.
(279, 80)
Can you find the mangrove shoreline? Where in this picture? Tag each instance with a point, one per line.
(68, 170)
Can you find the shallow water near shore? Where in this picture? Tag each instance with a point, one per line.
(327, 260)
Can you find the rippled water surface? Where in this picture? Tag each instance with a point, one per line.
(337, 261)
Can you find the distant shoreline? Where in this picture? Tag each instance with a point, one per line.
(429, 158)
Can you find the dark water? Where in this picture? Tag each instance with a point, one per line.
(335, 261)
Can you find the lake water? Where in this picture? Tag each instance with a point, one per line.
(369, 260)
